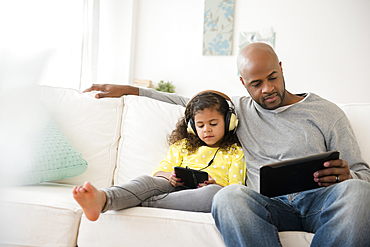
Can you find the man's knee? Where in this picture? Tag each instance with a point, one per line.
(353, 205)
(231, 195)
(356, 195)
(225, 193)
(355, 188)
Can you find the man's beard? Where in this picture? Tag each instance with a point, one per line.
(278, 96)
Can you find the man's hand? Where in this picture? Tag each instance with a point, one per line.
(112, 90)
(336, 171)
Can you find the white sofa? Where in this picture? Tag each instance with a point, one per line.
(120, 139)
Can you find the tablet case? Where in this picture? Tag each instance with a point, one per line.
(294, 175)
(191, 177)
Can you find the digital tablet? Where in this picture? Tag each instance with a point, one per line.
(191, 177)
(294, 175)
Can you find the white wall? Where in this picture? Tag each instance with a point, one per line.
(323, 45)
(38, 44)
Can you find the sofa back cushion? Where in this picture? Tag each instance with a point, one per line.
(359, 116)
(92, 126)
(146, 124)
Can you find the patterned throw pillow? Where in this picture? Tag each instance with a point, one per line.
(38, 151)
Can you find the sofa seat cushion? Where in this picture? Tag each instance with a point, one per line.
(142, 226)
(294, 239)
(39, 215)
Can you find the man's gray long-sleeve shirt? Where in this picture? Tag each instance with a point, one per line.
(311, 126)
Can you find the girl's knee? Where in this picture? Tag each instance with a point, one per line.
(143, 178)
(212, 188)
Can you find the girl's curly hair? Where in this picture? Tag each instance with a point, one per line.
(206, 100)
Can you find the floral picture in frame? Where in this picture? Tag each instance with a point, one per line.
(218, 27)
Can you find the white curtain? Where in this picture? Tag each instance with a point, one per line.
(41, 42)
(74, 43)
(53, 43)
(90, 43)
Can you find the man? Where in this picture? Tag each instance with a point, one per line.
(276, 125)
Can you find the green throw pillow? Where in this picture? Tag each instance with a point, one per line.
(40, 151)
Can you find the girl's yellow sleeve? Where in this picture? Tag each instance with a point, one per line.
(237, 171)
(173, 158)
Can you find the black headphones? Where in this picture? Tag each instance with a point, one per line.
(231, 121)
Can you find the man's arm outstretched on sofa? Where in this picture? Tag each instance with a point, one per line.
(116, 91)
(112, 91)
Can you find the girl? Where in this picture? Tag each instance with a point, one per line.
(204, 139)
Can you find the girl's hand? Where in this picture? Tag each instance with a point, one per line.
(174, 181)
(171, 177)
(210, 181)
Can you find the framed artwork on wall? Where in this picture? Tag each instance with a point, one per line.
(265, 35)
(218, 27)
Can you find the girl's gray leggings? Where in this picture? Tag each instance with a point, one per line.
(157, 192)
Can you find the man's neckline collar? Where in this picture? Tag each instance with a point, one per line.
(282, 108)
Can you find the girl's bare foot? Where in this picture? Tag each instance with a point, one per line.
(90, 199)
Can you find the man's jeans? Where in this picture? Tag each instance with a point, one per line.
(339, 215)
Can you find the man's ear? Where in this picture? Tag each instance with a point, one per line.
(241, 79)
(281, 66)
